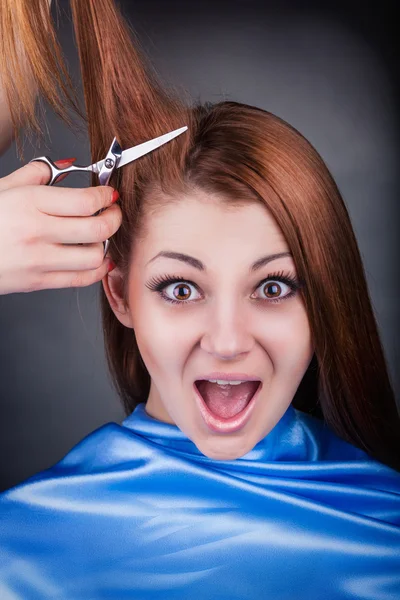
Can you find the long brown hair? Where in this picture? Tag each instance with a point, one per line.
(245, 154)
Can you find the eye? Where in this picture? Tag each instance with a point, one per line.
(178, 290)
(174, 289)
(280, 288)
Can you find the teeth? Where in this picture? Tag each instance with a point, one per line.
(224, 382)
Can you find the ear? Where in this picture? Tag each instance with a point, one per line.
(112, 285)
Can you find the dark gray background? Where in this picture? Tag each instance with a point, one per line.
(329, 70)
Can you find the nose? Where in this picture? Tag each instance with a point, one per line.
(227, 335)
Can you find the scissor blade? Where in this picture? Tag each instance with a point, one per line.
(141, 149)
(137, 151)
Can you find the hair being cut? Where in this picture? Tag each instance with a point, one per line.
(244, 154)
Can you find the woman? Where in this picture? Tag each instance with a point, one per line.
(260, 452)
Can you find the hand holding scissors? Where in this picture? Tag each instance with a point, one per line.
(116, 158)
(42, 249)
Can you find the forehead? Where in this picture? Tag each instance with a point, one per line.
(200, 219)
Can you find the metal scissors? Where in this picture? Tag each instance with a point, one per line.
(116, 158)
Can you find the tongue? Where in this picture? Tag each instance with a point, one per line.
(227, 400)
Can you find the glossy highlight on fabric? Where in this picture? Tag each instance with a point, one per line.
(137, 511)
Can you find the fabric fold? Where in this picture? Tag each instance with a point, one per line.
(136, 510)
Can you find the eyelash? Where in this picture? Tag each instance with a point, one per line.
(158, 284)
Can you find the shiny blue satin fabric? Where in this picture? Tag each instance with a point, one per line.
(137, 511)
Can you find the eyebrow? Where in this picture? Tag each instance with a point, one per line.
(197, 264)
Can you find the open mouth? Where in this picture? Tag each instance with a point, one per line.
(226, 408)
(227, 400)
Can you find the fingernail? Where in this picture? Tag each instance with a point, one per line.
(111, 265)
(64, 162)
(115, 196)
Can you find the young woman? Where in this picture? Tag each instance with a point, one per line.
(260, 455)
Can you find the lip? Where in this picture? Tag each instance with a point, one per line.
(219, 425)
(228, 376)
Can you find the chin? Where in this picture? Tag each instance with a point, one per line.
(218, 452)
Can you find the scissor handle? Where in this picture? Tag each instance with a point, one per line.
(56, 172)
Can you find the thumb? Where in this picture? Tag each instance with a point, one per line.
(34, 173)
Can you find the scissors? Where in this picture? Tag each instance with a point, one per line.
(116, 158)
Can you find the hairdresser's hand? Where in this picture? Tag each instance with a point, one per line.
(36, 220)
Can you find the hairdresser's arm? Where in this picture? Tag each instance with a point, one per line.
(6, 128)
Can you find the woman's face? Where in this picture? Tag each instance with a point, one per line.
(228, 317)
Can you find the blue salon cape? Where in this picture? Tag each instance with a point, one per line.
(137, 511)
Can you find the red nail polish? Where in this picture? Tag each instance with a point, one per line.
(111, 265)
(64, 162)
(115, 196)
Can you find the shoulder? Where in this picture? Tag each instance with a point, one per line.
(322, 443)
(110, 447)
(327, 451)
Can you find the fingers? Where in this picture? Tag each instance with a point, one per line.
(79, 205)
(72, 202)
(35, 173)
(82, 230)
(68, 279)
(60, 257)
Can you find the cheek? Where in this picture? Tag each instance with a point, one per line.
(162, 341)
(287, 338)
